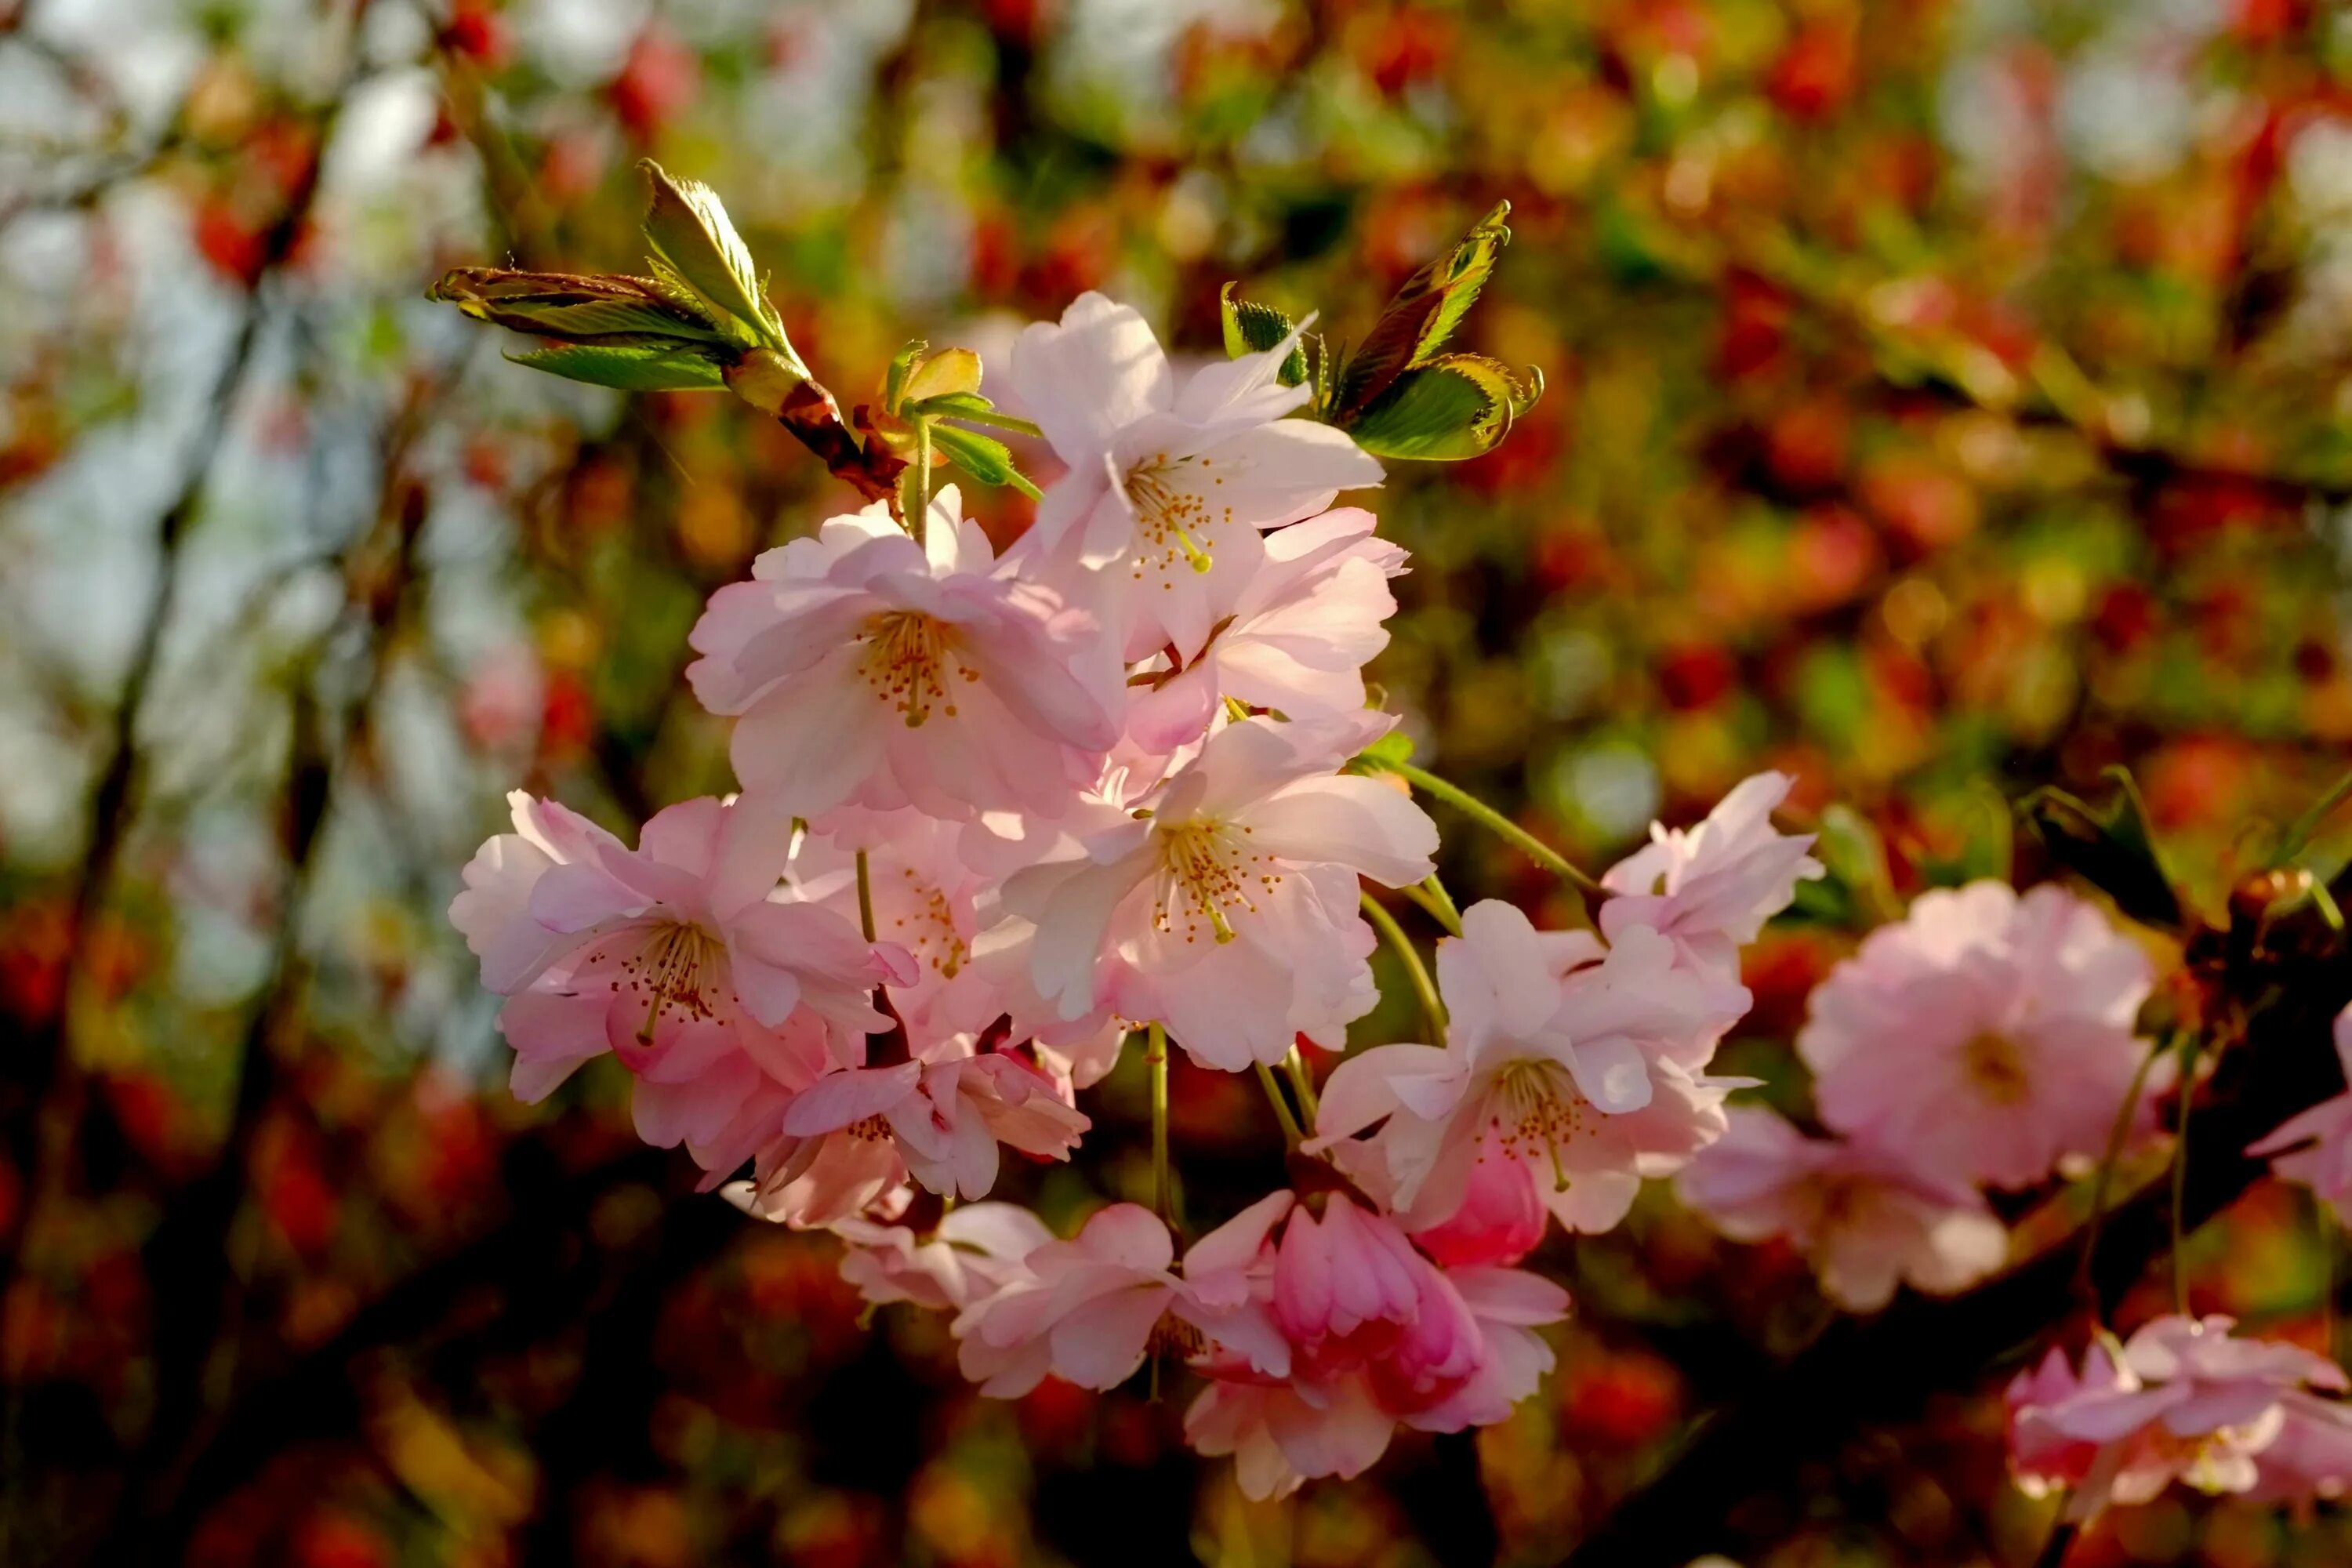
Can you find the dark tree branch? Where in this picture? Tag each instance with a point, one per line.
(52, 1088)
(538, 1251)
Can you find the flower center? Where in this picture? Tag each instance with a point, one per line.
(929, 932)
(1995, 1067)
(1168, 510)
(1171, 1335)
(1210, 876)
(874, 1129)
(1537, 1105)
(669, 972)
(911, 663)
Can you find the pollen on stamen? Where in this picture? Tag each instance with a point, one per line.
(909, 661)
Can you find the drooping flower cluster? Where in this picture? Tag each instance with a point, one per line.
(1978, 1042)
(1001, 809)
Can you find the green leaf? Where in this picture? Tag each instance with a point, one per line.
(689, 230)
(2109, 847)
(574, 307)
(984, 457)
(1422, 317)
(631, 367)
(954, 405)
(1458, 406)
(1253, 328)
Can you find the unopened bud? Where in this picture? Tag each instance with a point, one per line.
(764, 379)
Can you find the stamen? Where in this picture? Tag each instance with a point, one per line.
(1168, 512)
(1539, 1104)
(670, 971)
(909, 659)
(1211, 876)
(934, 939)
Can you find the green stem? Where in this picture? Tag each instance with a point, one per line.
(2100, 1183)
(1302, 1083)
(921, 520)
(997, 417)
(1281, 1106)
(1436, 903)
(865, 896)
(1433, 1011)
(1494, 821)
(2304, 826)
(2188, 1048)
(1155, 1053)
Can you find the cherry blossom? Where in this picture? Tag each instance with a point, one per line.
(674, 957)
(1168, 485)
(1301, 633)
(1711, 888)
(1987, 1035)
(1229, 911)
(1380, 1337)
(2183, 1399)
(976, 1250)
(865, 668)
(1862, 1215)
(924, 900)
(946, 1118)
(1092, 1308)
(2315, 1147)
(1578, 1060)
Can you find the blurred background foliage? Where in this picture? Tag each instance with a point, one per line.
(1948, 398)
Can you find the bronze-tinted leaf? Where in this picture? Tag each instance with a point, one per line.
(1422, 317)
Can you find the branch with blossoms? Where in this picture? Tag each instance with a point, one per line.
(1006, 815)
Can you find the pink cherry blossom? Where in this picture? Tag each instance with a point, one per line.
(1351, 1291)
(946, 1118)
(1230, 911)
(976, 1250)
(1466, 1354)
(1167, 486)
(1864, 1217)
(2315, 1147)
(672, 956)
(923, 900)
(1092, 1308)
(1501, 1219)
(2183, 1400)
(865, 668)
(1711, 888)
(1301, 633)
(1575, 1060)
(1987, 1035)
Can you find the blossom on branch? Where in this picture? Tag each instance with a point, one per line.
(2183, 1399)
(1986, 1036)
(864, 668)
(1169, 485)
(1227, 908)
(1580, 1062)
(675, 956)
(1862, 1215)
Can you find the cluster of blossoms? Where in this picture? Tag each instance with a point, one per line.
(2182, 1399)
(1000, 811)
(1982, 1042)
